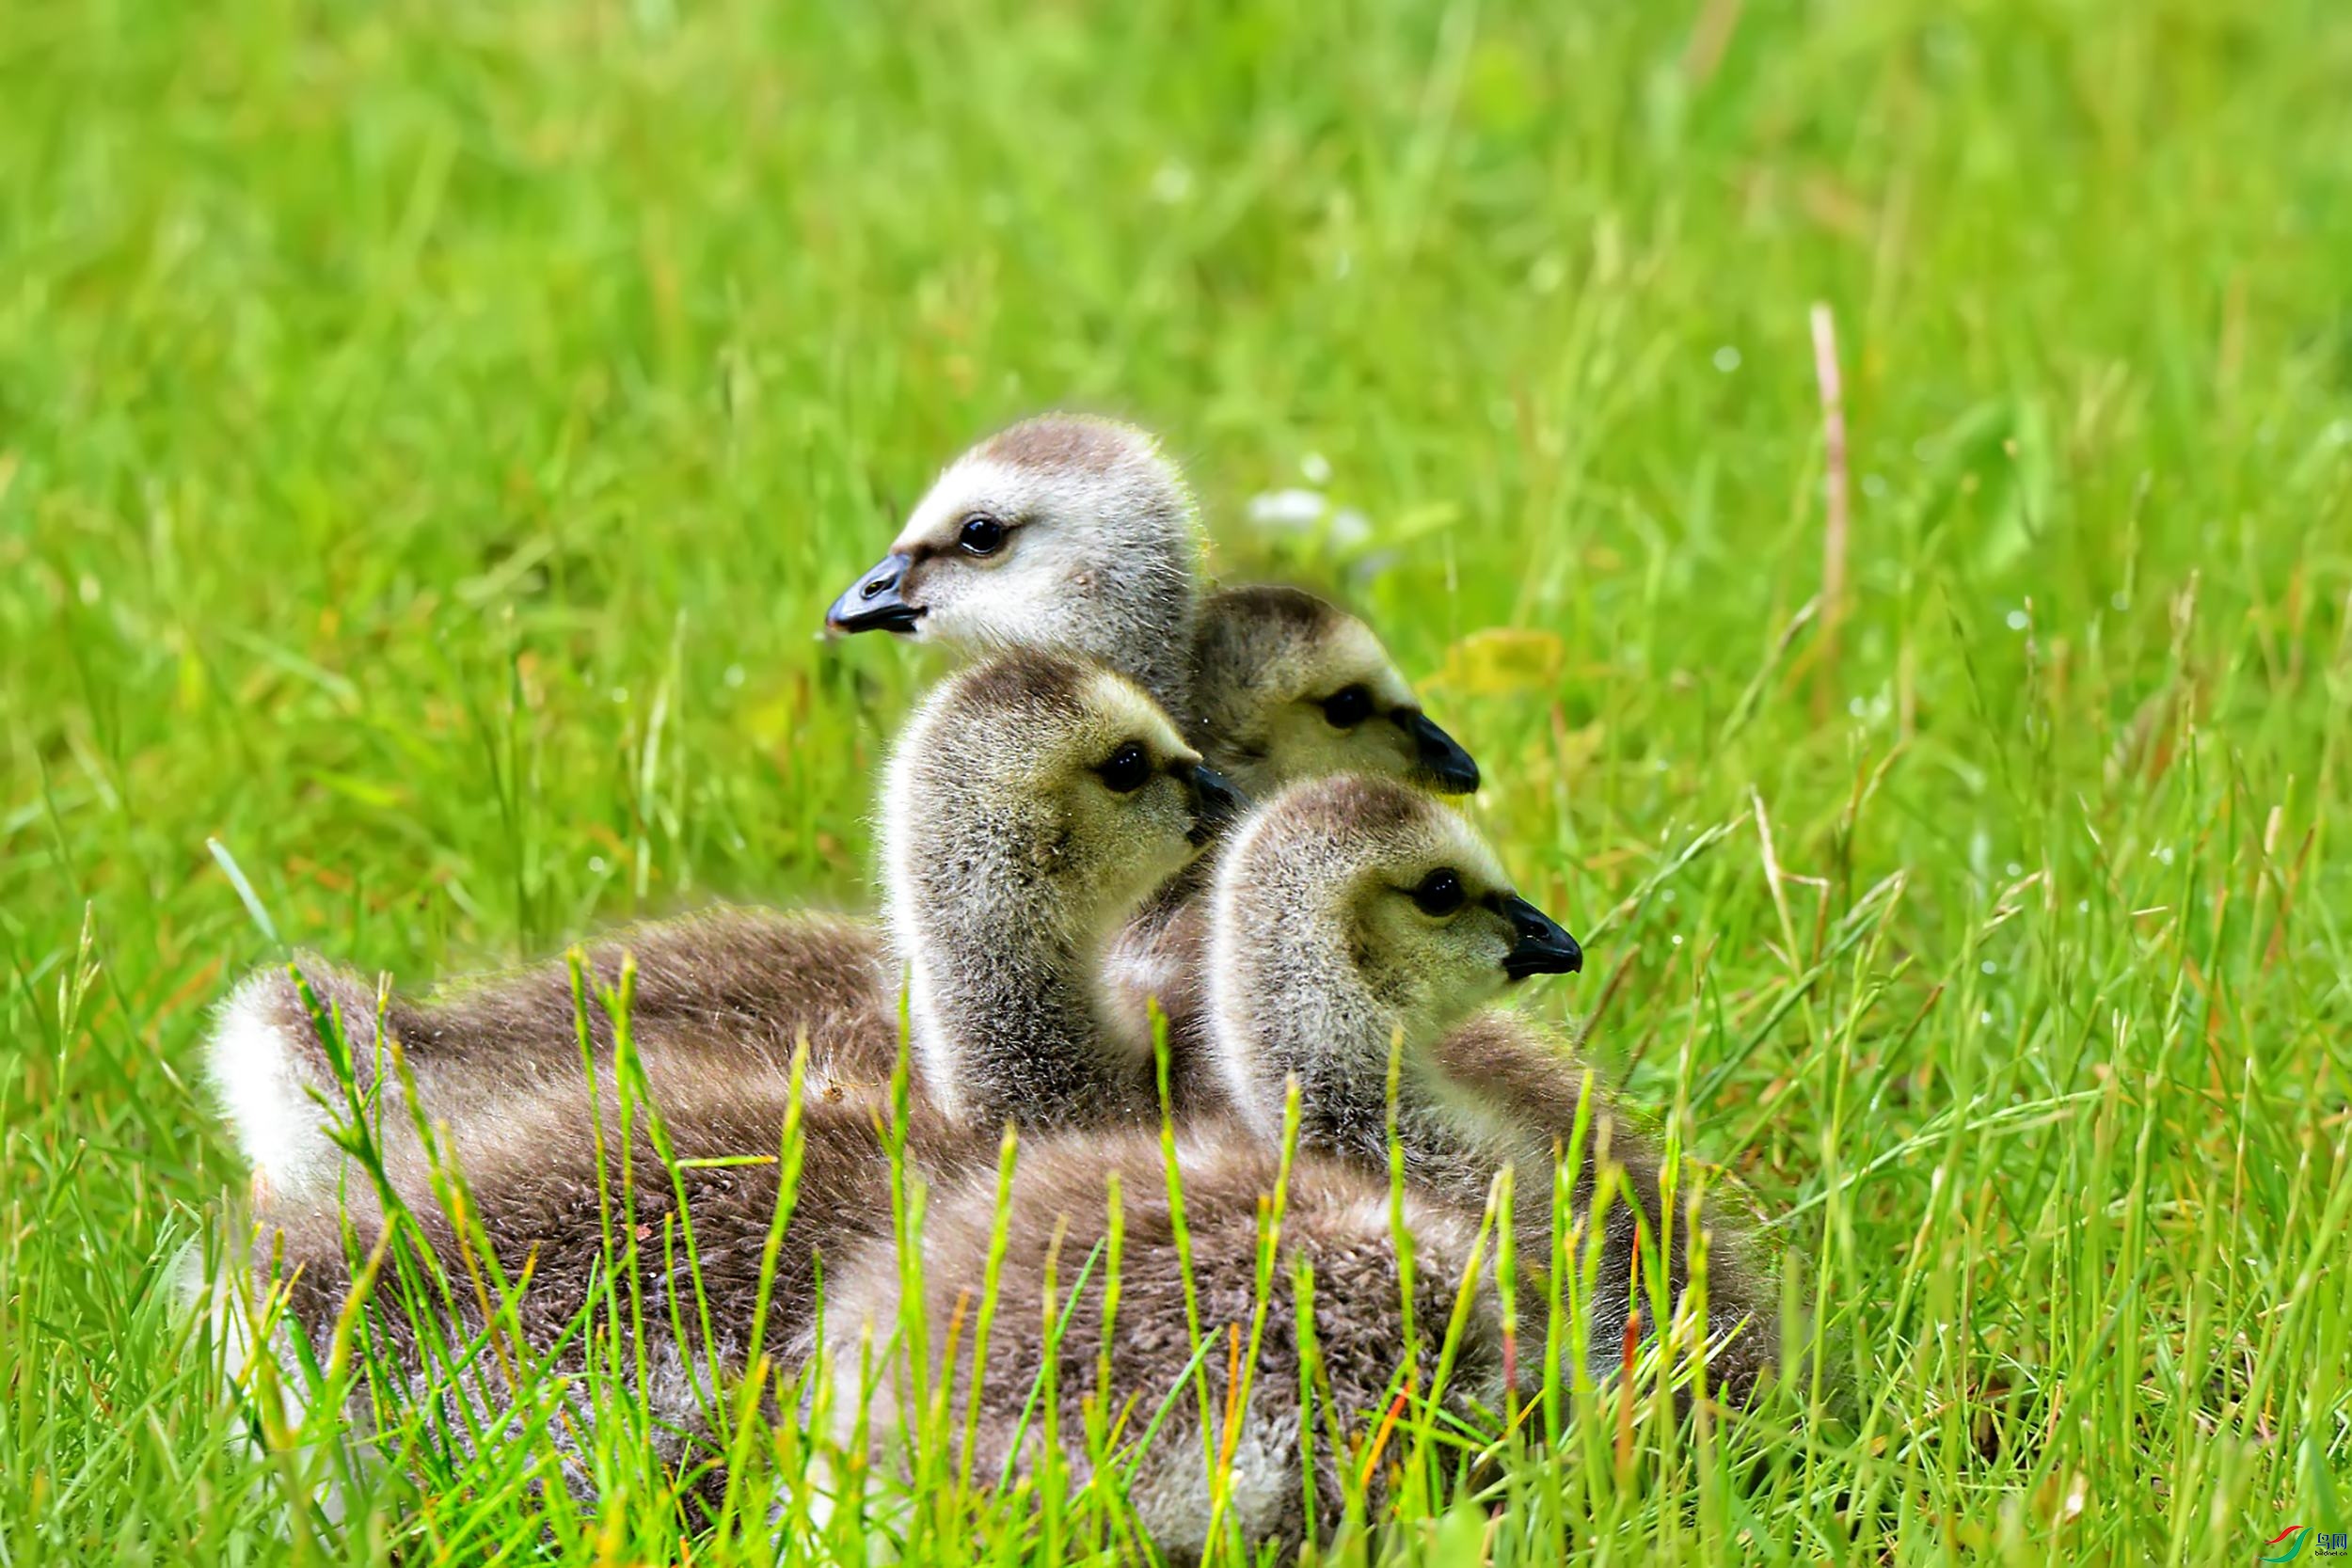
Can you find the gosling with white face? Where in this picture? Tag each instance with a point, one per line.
(1062, 534)
(1077, 535)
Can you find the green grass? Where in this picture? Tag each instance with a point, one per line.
(429, 436)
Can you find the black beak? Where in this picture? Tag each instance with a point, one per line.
(1440, 756)
(1215, 804)
(1540, 946)
(872, 602)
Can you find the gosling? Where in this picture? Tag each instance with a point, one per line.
(1011, 865)
(1349, 913)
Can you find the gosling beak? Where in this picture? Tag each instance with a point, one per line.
(1439, 755)
(1215, 804)
(872, 602)
(1539, 946)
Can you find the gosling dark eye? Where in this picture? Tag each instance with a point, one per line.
(1440, 893)
(1128, 769)
(1347, 707)
(981, 534)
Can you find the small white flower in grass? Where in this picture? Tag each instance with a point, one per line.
(1668, 897)
(1289, 510)
(1985, 1017)
(1677, 938)
(1990, 967)
(2015, 869)
(1171, 183)
(1726, 359)
(734, 675)
(1317, 468)
(1302, 510)
(2165, 854)
(597, 864)
(2083, 907)
(2017, 621)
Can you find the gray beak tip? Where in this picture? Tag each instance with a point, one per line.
(874, 603)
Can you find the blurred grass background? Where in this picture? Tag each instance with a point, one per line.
(429, 436)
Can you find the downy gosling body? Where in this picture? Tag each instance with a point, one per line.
(723, 994)
(1349, 913)
(1032, 804)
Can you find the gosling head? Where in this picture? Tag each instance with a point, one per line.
(1063, 534)
(1349, 912)
(1031, 805)
(1287, 687)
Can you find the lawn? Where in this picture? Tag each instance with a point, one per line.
(429, 437)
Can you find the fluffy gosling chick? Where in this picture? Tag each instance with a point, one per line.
(1077, 535)
(1347, 972)
(1031, 805)
(1349, 914)
(1286, 687)
(1061, 534)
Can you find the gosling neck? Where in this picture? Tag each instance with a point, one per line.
(1150, 640)
(1006, 1009)
(1287, 1002)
